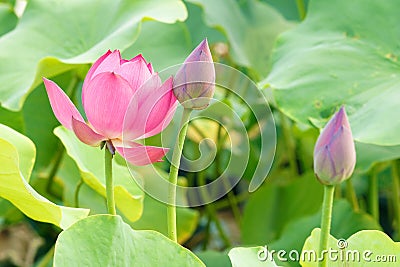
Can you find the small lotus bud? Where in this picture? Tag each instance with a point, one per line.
(194, 81)
(334, 152)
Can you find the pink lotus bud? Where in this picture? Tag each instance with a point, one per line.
(334, 152)
(194, 81)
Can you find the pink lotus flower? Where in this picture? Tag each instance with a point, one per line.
(110, 95)
(334, 152)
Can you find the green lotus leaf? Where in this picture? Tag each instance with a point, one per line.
(17, 156)
(105, 240)
(251, 28)
(351, 59)
(55, 36)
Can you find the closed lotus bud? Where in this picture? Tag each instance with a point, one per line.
(194, 82)
(334, 152)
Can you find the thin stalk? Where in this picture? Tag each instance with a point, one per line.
(173, 175)
(396, 194)
(326, 219)
(351, 195)
(224, 203)
(219, 148)
(76, 195)
(54, 169)
(212, 214)
(230, 195)
(203, 136)
(47, 258)
(72, 86)
(233, 202)
(207, 234)
(301, 9)
(108, 156)
(373, 195)
(290, 145)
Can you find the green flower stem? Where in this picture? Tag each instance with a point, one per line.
(76, 195)
(211, 212)
(47, 259)
(224, 203)
(233, 202)
(373, 195)
(57, 161)
(290, 145)
(301, 9)
(396, 193)
(173, 175)
(207, 234)
(72, 87)
(231, 196)
(109, 181)
(351, 195)
(327, 205)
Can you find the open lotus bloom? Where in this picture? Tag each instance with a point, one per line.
(115, 90)
(334, 152)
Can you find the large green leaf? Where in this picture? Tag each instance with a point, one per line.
(17, 155)
(363, 249)
(105, 240)
(170, 44)
(251, 28)
(243, 257)
(369, 154)
(288, 8)
(90, 161)
(8, 19)
(351, 59)
(198, 29)
(12, 119)
(53, 36)
(25, 148)
(212, 258)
